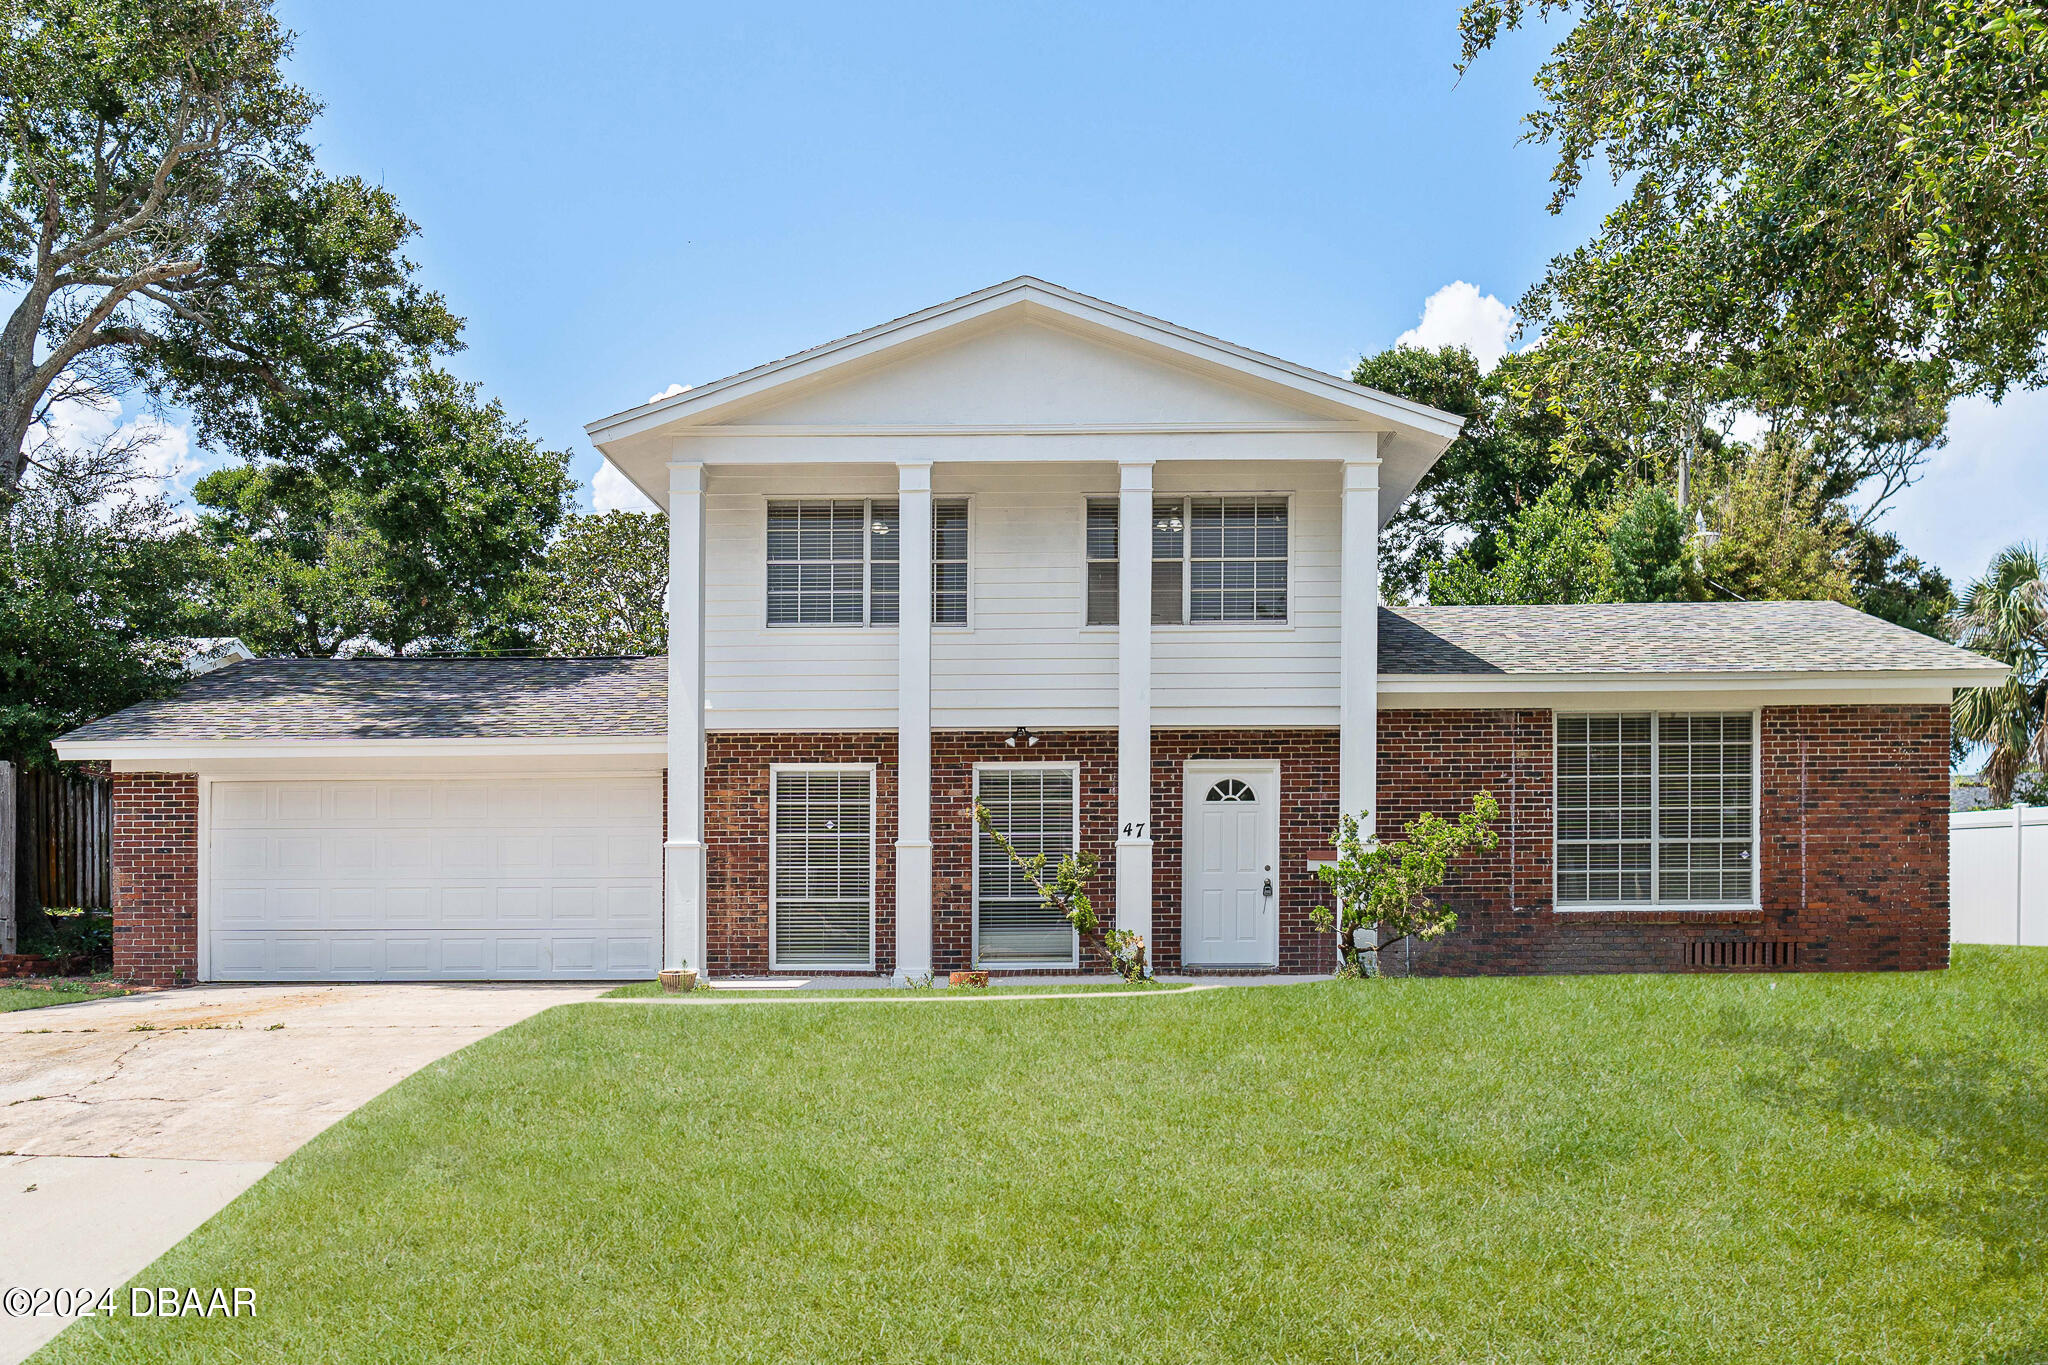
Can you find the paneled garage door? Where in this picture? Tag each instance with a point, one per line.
(455, 879)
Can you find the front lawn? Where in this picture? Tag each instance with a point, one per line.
(653, 990)
(57, 990)
(1696, 1169)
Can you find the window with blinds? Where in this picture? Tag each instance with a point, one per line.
(1237, 559)
(1706, 808)
(838, 562)
(949, 562)
(1034, 807)
(1213, 559)
(1656, 809)
(821, 853)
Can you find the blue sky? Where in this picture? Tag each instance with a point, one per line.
(647, 194)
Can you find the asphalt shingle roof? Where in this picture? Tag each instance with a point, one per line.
(1657, 637)
(340, 699)
(405, 699)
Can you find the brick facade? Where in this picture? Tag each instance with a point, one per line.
(1853, 847)
(156, 877)
(736, 768)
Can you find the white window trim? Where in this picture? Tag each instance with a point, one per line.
(775, 964)
(828, 629)
(1073, 960)
(973, 539)
(1756, 823)
(1184, 625)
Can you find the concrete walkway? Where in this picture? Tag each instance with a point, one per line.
(127, 1123)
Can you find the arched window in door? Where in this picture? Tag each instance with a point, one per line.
(1231, 789)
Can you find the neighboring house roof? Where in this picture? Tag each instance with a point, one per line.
(1660, 638)
(627, 699)
(1969, 793)
(325, 699)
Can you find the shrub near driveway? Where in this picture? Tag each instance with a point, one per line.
(1739, 1168)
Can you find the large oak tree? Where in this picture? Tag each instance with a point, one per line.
(1834, 215)
(162, 222)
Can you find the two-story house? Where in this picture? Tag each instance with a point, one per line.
(1117, 582)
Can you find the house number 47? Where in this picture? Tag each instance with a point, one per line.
(1135, 829)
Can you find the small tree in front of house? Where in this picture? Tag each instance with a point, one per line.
(1387, 885)
(1066, 891)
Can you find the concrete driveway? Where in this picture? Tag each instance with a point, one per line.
(127, 1123)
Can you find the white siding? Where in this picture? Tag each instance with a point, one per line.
(1027, 657)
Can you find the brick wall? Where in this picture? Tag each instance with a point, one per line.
(1855, 834)
(1853, 848)
(1308, 813)
(156, 877)
(736, 768)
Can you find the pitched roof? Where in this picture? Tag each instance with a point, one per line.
(1659, 637)
(329, 699)
(1046, 293)
(515, 699)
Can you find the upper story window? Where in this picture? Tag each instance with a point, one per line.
(837, 562)
(1213, 559)
(1656, 809)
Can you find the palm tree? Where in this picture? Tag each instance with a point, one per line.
(2004, 614)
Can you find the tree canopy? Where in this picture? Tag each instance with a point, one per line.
(442, 556)
(605, 586)
(1836, 215)
(163, 223)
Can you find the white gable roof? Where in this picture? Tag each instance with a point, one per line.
(1041, 357)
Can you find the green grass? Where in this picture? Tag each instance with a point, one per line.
(1687, 1169)
(66, 993)
(646, 989)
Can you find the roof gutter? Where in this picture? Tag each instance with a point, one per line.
(482, 746)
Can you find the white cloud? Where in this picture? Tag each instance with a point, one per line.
(669, 392)
(1459, 315)
(160, 453)
(611, 491)
(167, 458)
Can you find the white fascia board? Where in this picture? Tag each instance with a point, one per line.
(1901, 685)
(696, 404)
(166, 752)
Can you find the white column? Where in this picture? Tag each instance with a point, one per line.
(1134, 702)
(682, 937)
(1359, 594)
(914, 722)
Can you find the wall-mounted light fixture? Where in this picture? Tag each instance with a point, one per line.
(1022, 736)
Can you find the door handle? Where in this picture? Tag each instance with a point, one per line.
(1269, 886)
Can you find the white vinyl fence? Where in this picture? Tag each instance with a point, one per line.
(1998, 876)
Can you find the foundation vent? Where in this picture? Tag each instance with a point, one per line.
(1727, 953)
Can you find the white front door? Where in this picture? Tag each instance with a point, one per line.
(1230, 874)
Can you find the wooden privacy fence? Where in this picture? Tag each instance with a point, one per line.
(63, 839)
(1998, 876)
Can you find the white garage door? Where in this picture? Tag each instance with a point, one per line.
(456, 879)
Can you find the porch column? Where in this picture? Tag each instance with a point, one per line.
(1134, 702)
(682, 939)
(1359, 594)
(914, 721)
